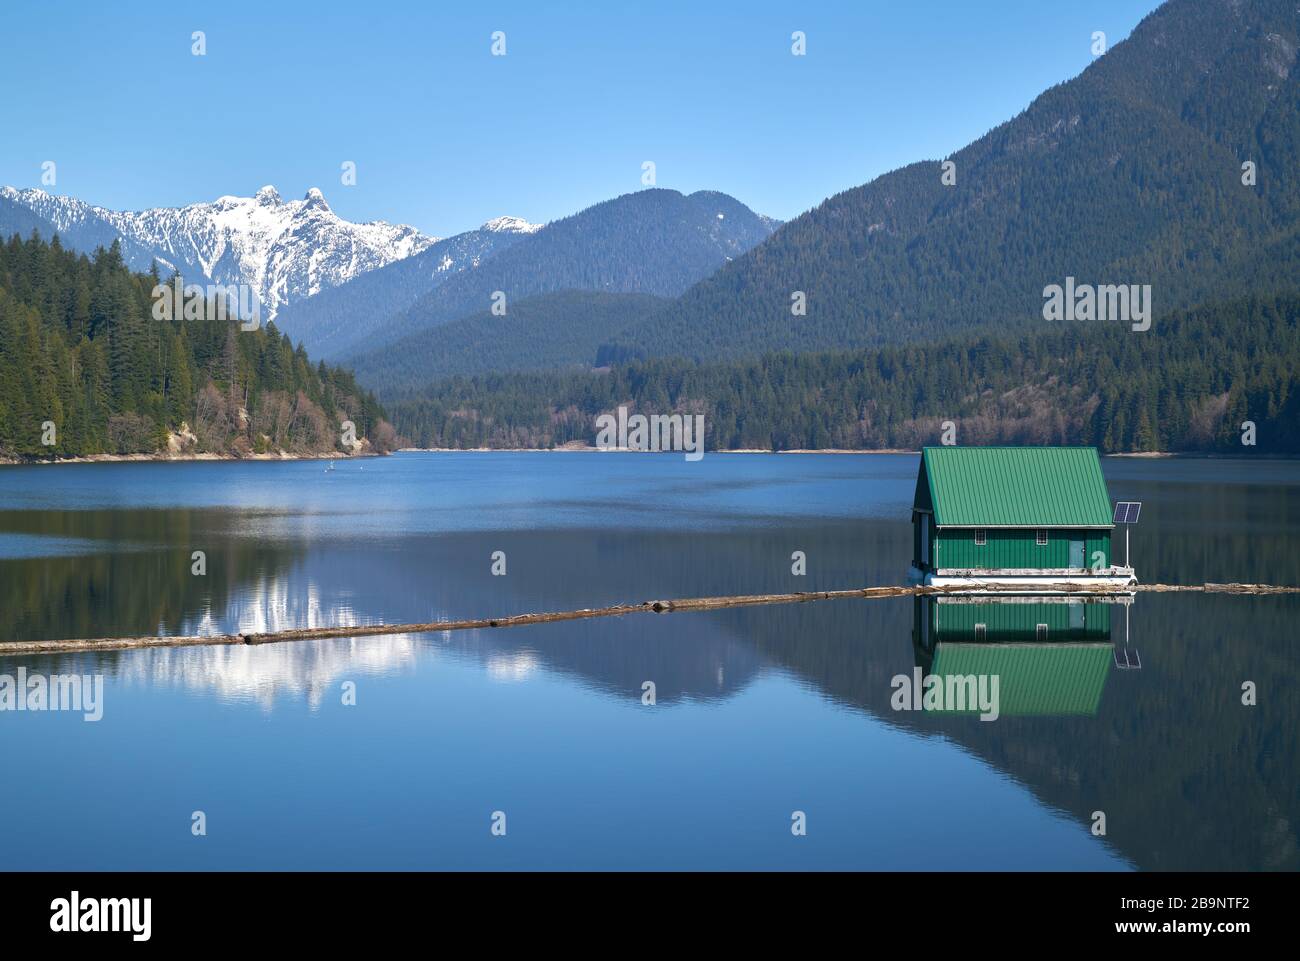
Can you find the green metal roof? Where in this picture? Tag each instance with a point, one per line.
(1033, 679)
(1016, 486)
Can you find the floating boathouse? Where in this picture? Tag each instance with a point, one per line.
(1018, 516)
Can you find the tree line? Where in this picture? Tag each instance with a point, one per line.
(1200, 380)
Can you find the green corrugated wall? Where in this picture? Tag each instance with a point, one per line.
(955, 548)
(1014, 621)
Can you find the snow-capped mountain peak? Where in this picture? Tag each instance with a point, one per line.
(513, 225)
(286, 250)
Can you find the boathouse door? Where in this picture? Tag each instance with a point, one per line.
(925, 540)
(1076, 555)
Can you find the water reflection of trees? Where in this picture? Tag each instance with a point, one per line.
(1188, 777)
(134, 576)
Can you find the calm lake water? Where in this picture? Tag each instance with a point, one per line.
(759, 712)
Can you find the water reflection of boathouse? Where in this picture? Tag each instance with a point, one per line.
(1051, 654)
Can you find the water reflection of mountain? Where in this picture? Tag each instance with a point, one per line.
(141, 583)
(431, 578)
(1188, 777)
(308, 670)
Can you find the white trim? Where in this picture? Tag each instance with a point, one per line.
(1039, 572)
(1032, 582)
(1028, 598)
(1024, 527)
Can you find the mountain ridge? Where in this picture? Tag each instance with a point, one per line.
(285, 250)
(1130, 172)
(654, 241)
(333, 318)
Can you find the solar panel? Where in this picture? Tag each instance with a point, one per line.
(1126, 512)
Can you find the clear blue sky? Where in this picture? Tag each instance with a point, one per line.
(446, 136)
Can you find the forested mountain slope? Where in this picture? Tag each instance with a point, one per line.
(1130, 173)
(84, 362)
(547, 331)
(655, 241)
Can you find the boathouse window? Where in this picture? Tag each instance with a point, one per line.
(981, 632)
(1042, 538)
(1041, 633)
(981, 537)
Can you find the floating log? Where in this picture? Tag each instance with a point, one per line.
(83, 645)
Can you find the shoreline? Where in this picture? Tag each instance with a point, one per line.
(576, 449)
(173, 458)
(161, 458)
